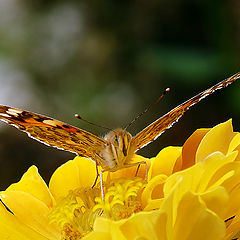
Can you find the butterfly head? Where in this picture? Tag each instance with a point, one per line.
(120, 139)
(117, 150)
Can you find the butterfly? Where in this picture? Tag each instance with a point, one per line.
(112, 152)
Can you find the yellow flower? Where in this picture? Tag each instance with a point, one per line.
(193, 192)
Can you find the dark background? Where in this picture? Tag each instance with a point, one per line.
(108, 60)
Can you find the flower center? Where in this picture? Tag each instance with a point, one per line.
(75, 214)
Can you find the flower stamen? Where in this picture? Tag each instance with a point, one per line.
(74, 215)
(121, 199)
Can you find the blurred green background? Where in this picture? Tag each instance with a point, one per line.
(107, 60)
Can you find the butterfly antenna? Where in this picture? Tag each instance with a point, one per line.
(94, 124)
(148, 108)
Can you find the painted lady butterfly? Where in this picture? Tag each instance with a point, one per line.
(112, 152)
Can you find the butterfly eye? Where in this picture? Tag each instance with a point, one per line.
(116, 139)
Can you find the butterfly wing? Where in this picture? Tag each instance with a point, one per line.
(52, 132)
(154, 130)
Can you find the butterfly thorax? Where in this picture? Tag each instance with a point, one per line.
(117, 153)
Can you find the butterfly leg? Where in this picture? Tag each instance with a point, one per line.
(95, 181)
(138, 167)
(139, 163)
(101, 175)
(101, 180)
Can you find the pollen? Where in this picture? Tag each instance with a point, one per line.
(122, 199)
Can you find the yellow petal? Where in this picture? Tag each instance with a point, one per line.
(153, 193)
(87, 171)
(31, 212)
(12, 229)
(185, 180)
(233, 228)
(104, 225)
(216, 200)
(201, 222)
(235, 142)
(233, 204)
(98, 236)
(32, 183)
(215, 170)
(232, 186)
(141, 226)
(190, 147)
(235, 145)
(217, 139)
(76, 173)
(165, 161)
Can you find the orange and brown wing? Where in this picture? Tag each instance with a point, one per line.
(52, 132)
(154, 130)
